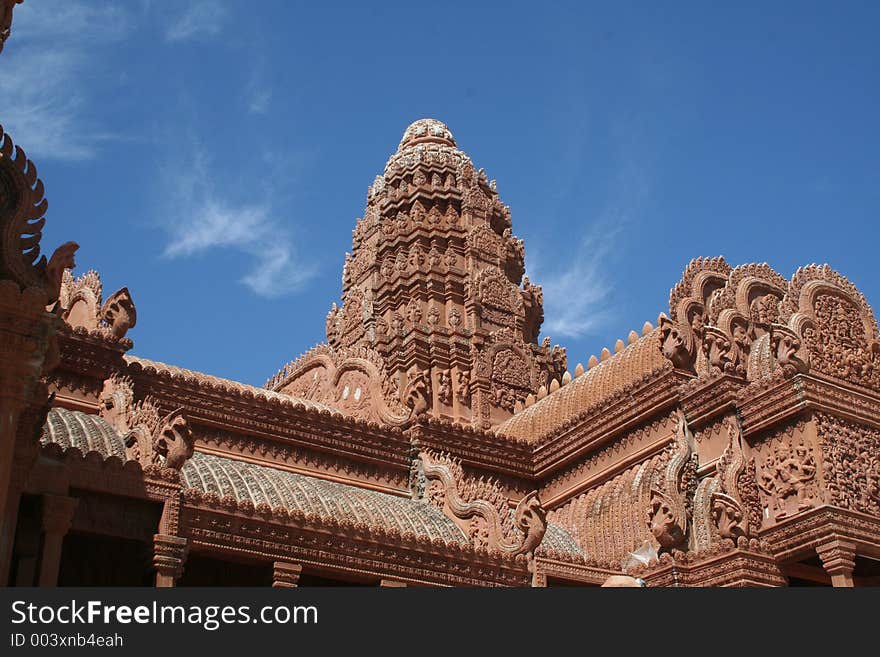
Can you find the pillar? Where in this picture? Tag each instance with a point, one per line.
(58, 513)
(169, 557)
(25, 331)
(7, 533)
(839, 559)
(286, 575)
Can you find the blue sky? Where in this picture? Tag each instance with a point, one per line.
(213, 155)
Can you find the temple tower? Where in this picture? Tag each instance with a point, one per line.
(433, 298)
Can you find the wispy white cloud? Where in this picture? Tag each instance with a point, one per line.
(575, 296)
(258, 100)
(576, 293)
(205, 219)
(201, 19)
(43, 97)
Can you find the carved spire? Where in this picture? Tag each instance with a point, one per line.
(434, 288)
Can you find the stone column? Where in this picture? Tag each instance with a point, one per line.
(839, 559)
(169, 556)
(58, 513)
(25, 330)
(7, 532)
(286, 575)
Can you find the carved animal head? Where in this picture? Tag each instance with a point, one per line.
(119, 313)
(61, 259)
(531, 519)
(719, 350)
(785, 344)
(137, 446)
(116, 399)
(728, 516)
(664, 522)
(677, 344)
(173, 442)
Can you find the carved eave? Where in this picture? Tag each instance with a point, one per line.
(92, 349)
(725, 565)
(798, 536)
(87, 359)
(354, 549)
(270, 420)
(477, 448)
(704, 400)
(773, 401)
(600, 424)
(98, 473)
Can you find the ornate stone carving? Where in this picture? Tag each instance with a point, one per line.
(787, 474)
(481, 508)
(463, 386)
(22, 211)
(285, 575)
(119, 313)
(169, 557)
(677, 343)
(154, 441)
(403, 303)
(117, 402)
(835, 323)
(80, 300)
(729, 498)
(851, 459)
(670, 506)
(444, 387)
(173, 441)
(723, 353)
(61, 260)
(417, 393)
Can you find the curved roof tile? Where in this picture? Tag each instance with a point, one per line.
(260, 484)
(226, 384)
(88, 433)
(558, 540)
(627, 367)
